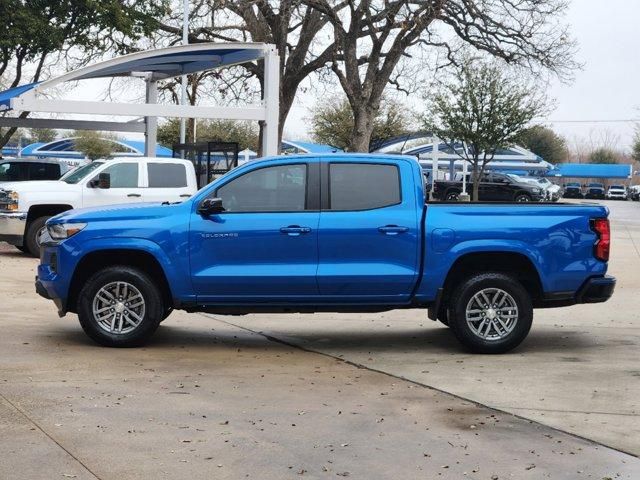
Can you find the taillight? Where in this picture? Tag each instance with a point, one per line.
(603, 243)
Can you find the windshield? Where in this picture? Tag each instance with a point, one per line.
(515, 177)
(573, 184)
(595, 185)
(74, 176)
(617, 187)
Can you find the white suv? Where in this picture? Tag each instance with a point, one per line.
(617, 192)
(26, 206)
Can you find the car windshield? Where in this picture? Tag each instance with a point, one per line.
(573, 184)
(595, 185)
(515, 178)
(74, 176)
(617, 187)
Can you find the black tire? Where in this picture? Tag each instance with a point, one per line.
(443, 315)
(462, 296)
(523, 197)
(452, 196)
(22, 248)
(166, 314)
(31, 238)
(154, 310)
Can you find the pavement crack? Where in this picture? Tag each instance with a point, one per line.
(414, 382)
(46, 434)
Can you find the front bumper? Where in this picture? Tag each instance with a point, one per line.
(596, 290)
(51, 281)
(12, 227)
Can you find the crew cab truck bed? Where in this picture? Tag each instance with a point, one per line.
(336, 233)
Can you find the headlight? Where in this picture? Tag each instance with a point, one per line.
(12, 198)
(60, 231)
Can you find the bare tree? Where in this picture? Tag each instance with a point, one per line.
(292, 26)
(525, 33)
(480, 111)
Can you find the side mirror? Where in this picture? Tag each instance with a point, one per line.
(210, 206)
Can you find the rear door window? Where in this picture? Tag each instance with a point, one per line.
(167, 175)
(43, 171)
(363, 186)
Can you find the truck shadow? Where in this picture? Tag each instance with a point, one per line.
(434, 340)
(428, 341)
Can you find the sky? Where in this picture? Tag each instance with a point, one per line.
(607, 88)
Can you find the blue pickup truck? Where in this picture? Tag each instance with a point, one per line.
(339, 233)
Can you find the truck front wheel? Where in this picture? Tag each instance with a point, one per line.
(490, 312)
(120, 306)
(32, 237)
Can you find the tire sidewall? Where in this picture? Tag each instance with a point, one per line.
(522, 195)
(452, 196)
(31, 240)
(462, 296)
(154, 307)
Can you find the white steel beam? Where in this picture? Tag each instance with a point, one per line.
(32, 104)
(270, 144)
(137, 127)
(151, 123)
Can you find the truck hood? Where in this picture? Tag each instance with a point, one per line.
(131, 211)
(38, 186)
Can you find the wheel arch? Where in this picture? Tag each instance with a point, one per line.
(97, 260)
(37, 211)
(512, 263)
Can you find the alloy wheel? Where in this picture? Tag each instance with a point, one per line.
(492, 314)
(118, 308)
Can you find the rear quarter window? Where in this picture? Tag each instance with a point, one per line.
(363, 186)
(167, 175)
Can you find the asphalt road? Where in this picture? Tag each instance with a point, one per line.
(322, 396)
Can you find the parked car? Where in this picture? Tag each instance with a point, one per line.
(552, 192)
(26, 206)
(340, 233)
(573, 190)
(22, 170)
(634, 193)
(494, 187)
(617, 192)
(595, 190)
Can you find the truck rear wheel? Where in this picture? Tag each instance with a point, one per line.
(490, 313)
(31, 240)
(120, 306)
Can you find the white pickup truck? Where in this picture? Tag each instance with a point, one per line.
(26, 206)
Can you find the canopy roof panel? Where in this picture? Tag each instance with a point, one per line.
(7, 95)
(591, 170)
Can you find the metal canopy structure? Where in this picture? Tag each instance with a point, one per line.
(591, 170)
(153, 66)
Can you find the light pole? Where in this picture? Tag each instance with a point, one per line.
(185, 41)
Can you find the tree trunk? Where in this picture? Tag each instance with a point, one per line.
(476, 182)
(363, 121)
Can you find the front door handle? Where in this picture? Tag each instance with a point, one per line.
(136, 195)
(392, 229)
(294, 230)
(185, 195)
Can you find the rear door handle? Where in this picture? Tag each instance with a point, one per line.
(136, 195)
(392, 229)
(294, 230)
